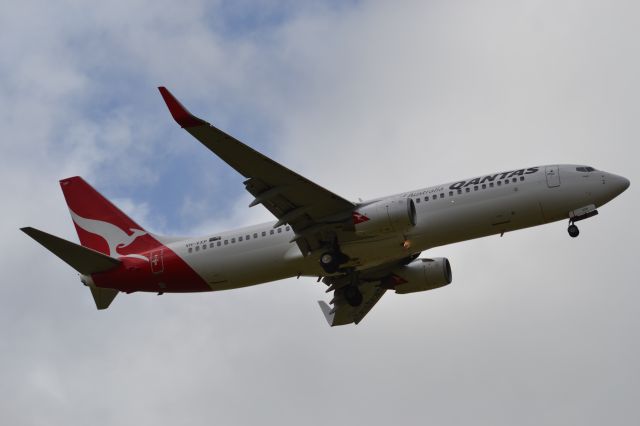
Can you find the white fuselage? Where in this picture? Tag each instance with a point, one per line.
(448, 213)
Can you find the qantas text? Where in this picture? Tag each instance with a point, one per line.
(491, 178)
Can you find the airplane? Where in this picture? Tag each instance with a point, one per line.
(358, 250)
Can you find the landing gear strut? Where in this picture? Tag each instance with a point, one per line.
(573, 230)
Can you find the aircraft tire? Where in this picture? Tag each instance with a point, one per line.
(329, 262)
(573, 231)
(352, 295)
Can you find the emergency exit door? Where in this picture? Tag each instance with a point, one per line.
(156, 261)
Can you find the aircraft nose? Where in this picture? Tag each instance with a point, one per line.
(619, 183)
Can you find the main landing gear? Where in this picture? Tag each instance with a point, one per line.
(331, 261)
(352, 295)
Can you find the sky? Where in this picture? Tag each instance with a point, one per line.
(366, 99)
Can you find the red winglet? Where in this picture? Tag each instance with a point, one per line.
(182, 115)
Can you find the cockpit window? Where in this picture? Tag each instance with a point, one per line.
(585, 169)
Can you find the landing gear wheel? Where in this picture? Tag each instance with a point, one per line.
(329, 262)
(352, 295)
(573, 231)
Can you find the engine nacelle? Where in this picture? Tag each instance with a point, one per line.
(385, 216)
(420, 275)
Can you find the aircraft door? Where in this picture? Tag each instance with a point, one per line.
(553, 176)
(156, 261)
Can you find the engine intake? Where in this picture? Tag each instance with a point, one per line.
(385, 216)
(419, 275)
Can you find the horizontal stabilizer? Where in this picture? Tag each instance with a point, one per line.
(103, 296)
(82, 259)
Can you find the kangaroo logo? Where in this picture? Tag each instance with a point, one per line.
(115, 237)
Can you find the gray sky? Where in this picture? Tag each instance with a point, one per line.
(365, 98)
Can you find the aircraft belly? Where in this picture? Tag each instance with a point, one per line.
(232, 268)
(369, 253)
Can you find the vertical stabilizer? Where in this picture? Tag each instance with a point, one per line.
(100, 224)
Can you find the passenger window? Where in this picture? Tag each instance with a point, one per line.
(435, 197)
(467, 189)
(514, 180)
(197, 248)
(490, 184)
(233, 240)
(204, 247)
(450, 193)
(255, 235)
(475, 188)
(506, 181)
(218, 244)
(239, 239)
(279, 230)
(271, 232)
(211, 245)
(190, 249)
(441, 195)
(264, 234)
(426, 198)
(248, 237)
(288, 229)
(521, 178)
(499, 183)
(417, 200)
(226, 242)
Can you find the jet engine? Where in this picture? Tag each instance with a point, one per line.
(385, 216)
(419, 275)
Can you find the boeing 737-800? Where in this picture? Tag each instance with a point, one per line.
(359, 250)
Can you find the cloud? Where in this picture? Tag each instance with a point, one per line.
(366, 99)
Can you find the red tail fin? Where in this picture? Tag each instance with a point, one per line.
(101, 225)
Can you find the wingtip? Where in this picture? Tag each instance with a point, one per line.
(180, 114)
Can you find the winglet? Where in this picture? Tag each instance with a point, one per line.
(182, 115)
(327, 311)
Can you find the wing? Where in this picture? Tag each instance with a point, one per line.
(370, 283)
(310, 210)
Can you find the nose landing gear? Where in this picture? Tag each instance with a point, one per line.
(573, 230)
(577, 215)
